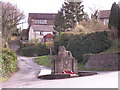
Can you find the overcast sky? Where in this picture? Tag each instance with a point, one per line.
(52, 6)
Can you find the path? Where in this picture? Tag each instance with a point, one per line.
(26, 77)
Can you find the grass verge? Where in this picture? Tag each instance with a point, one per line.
(44, 60)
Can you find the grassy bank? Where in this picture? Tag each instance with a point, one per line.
(44, 60)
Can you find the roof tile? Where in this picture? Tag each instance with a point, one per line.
(104, 14)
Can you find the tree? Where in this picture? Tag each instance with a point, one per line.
(90, 26)
(59, 21)
(119, 20)
(94, 11)
(0, 26)
(11, 16)
(71, 14)
(114, 20)
(95, 15)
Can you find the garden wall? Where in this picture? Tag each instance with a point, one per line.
(109, 61)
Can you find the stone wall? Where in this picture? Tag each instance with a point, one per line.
(108, 61)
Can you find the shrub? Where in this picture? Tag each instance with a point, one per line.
(64, 38)
(34, 50)
(26, 44)
(49, 44)
(42, 50)
(9, 62)
(55, 48)
(90, 43)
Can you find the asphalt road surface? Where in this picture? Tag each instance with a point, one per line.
(26, 77)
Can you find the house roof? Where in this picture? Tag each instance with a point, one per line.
(104, 14)
(42, 15)
(48, 36)
(43, 28)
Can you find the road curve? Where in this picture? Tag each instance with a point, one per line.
(26, 77)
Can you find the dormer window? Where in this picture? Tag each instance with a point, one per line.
(42, 22)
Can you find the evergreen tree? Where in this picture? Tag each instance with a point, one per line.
(70, 15)
(119, 19)
(59, 22)
(114, 19)
(73, 13)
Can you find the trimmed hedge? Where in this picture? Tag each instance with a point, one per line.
(34, 50)
(90, 43)
(9, 62)
(61, 40)
(64, 39)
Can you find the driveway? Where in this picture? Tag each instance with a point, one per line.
(26, 77)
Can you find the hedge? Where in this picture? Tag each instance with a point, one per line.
(64, 39)
(9, 62)
(90, 43)
(34, 50)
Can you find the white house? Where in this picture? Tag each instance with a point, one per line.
(40, 31)
(41, 26)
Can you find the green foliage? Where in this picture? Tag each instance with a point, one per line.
(0, 57)
(9, 62)
(90, 43)
(55, 48)
(44, 60)
(115, 47)
(114, 19)
(61, 40)
(73, 13)
(64, 38)
(34, 50)
(70, 14)
(0, 65)
(59, 22)
(49, 44)
(36, 41)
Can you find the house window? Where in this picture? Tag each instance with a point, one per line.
(43, 21)
(40, 21)
(41, 33)
(106, 21)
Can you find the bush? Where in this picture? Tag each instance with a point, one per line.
(49, 44)
(64, 38)
(42, 50)
(26, 44)
(55, 48)
(90, 43)
(34, 50)
(9, 62)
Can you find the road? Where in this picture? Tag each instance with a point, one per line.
(26, 77)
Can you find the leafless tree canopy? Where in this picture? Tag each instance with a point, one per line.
(11, 16)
